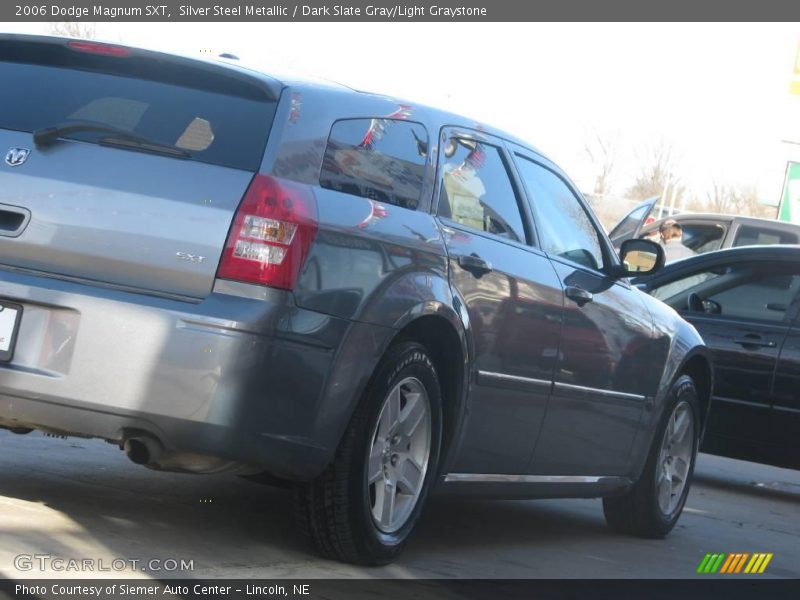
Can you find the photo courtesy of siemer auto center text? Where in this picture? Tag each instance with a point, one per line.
(435, 300)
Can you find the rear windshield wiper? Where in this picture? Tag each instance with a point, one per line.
(47, 136)
(135, 142)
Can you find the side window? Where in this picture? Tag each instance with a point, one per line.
(753, 291)
(702, 237)
(564, 227)
(379, 159)
(747, 235)
(476, 190)
(675, 293)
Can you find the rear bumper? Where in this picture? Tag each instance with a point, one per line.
(233, 377)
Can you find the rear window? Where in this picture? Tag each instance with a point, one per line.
(213, 127)
(748, 235)
(381, 159)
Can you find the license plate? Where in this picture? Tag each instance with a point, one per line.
(9, 324)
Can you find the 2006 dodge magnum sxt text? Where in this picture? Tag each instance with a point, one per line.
(368, 299)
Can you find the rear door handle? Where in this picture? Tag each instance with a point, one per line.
(474, 264)
(578, 294)
(754, 340)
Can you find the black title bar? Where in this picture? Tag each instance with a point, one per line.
(734, 588)
(383, 10)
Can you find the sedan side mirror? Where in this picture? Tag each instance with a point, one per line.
(639, 257)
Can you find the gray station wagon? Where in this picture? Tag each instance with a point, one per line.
(704, 232)
(368, 299)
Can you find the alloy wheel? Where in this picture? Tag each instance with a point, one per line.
(399, 455)
(675, 458)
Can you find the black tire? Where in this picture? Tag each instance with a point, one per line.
(637, 512)
(333, 512)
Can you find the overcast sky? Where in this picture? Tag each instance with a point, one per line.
(717, 93)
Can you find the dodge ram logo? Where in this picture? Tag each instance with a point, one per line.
(16, 156)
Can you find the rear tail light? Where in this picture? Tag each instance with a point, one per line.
(271, 235)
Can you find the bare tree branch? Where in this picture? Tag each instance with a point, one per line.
(719, 197)
(602, 153)
(74, 29)
(657, 171)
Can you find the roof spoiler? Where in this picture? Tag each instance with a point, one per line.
(116, 59)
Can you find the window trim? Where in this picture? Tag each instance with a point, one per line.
(784, 324)
(422, 201)
(448, 131)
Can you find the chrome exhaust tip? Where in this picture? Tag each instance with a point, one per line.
(142, 450)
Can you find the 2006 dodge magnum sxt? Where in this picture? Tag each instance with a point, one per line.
(368, 299)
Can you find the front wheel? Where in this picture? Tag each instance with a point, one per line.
(652, 507)
(363, 507)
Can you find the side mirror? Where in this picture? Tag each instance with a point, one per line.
(639, 257)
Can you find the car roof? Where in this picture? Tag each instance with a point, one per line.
(725, 218)
(763, 251)
(276, 82)
(28, 48)
(778, 252)
(444, 117)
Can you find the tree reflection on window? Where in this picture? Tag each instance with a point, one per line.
(564, 226)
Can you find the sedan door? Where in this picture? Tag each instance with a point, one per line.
(605, 371)
(784, 421)
(741, 308)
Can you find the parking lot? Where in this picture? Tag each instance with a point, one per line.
(82, 499)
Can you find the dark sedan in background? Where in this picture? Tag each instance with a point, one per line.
(745, 302)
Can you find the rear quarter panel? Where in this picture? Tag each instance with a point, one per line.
(377, 265)
(371, 261)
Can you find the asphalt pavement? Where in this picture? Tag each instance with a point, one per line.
(82, 499)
